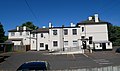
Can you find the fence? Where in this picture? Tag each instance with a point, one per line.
(21, 48)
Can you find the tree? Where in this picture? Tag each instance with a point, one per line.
(114, 34)
(2, 36)
(30, 25)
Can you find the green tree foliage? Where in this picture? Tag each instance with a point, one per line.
(30, 25)
(114, 34)
(2, 36)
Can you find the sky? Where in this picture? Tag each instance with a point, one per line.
(16, 12)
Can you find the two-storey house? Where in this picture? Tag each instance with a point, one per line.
(91, 34)
(20, 35)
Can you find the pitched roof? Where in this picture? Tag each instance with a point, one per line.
(20, 29)
(41, 30)
(91, 22)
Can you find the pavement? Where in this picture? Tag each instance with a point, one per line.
(62, 62)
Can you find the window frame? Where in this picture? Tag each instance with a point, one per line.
(65, 31)
(74, 31)
(41, 44)
(90, 40)
(55, 43)
(65, 43)
(75, 42)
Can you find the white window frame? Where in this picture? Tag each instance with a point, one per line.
(41, 44)
(65, 43)
(55, 43)
(74, 31)
(75, 42)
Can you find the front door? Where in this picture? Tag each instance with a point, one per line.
(104, 46)
(84, 44)
(46, 47)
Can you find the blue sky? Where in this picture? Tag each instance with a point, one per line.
(15, 12)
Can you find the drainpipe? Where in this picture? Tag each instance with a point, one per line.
(36, 38)
(63, 37)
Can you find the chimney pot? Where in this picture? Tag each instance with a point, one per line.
(96, 18)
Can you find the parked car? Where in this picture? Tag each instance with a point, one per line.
(117, 50)
(34, 65)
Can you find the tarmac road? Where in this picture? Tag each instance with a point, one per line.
(61, 62)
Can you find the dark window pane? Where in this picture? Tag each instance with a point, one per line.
(55, 43)
(74, 31)
(90, 40)
(41, 44)
(65, 31)
(82, 29)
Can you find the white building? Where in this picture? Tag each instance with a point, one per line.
(89, 34)
(20, 35)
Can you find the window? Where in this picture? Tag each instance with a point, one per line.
(65, 31)
(82, 29)
(65, 43)
(90, 40)
(82, 37)
(74, 43)
(20, 33)
(55, 43)
(74, 31)
(41, 44)
(54, 32)
(41, 35)
(12, 33)
(108, 44)
(33, 41)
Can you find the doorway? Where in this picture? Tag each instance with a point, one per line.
(104, 46)
(84, 44)
(46, 47)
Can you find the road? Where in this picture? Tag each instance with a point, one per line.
(61, 62)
